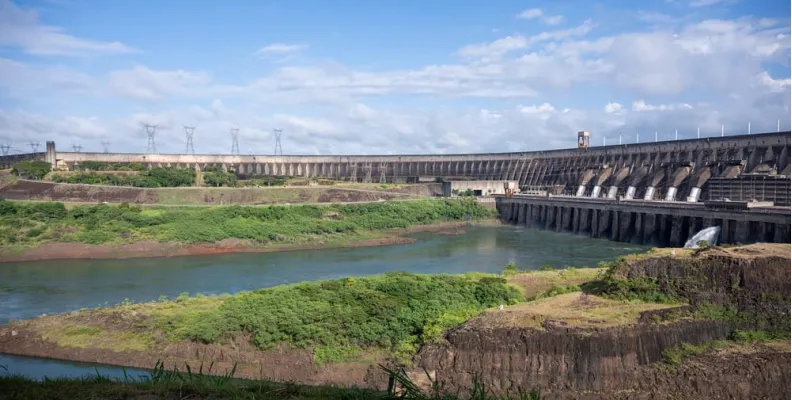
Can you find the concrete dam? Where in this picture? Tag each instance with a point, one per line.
(668, 178)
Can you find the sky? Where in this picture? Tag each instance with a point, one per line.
(388, 77)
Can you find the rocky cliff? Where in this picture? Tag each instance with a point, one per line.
(571, 357)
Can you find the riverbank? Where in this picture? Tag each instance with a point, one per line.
(661, 317)
(76, 251)
(47, 231)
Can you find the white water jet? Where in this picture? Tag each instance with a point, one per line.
(710, 235)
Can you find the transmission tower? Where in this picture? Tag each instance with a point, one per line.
(77, 148)
(5, 148)
(34, 146)
(151, 130)
(188, 132)
(278, 148)
(234, 141)
(106, 146)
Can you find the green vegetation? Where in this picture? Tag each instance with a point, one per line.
(105, 166)
(216, 176)
(31, 169)
(674, 356)
(32, 223)
(394, 313)
(155, 177)
(265, 181)
(162, 383)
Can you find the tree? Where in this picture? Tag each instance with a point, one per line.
(31, 169)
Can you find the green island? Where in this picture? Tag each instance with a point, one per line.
(720, 306)
(24, 226)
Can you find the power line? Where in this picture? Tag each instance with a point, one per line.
(106, 146)
(189, 132)
(234, 141)
(34, 146)
(151, 130)
(278, 147)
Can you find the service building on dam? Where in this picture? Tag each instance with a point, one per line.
(658, 193)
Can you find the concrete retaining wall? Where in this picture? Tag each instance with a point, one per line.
(644, 222)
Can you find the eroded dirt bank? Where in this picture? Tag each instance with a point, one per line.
(70, 251)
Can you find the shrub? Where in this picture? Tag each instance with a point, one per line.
(31, 169)
(109, 223)
(394, 311)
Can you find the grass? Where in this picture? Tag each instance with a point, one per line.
(535, 283)
(739, 340)
(162, 383)
(574, 308)
(94, 337)
(35, 223)
(341, 320)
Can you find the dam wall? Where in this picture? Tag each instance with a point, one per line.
(655, 223)
(643, 170)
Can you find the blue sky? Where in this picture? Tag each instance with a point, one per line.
(388, 77)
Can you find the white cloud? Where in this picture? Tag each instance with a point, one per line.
(530, 13)
(534, 13)
(541, 109)
(331, 108)
(640, 105)
(613, 108)
(21, 28)
(279, 48)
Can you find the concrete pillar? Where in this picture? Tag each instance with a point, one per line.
(630, 193)
(649, 230)
(587, 215)
(615, 226)
(580, 191)
(671, 194)
(604, 223)
(676, 239)
(742, 232)
(51, 155)
(695, 193)
(594, 227)
(637, 234)
(521, 214)
(596, 192)
(576, 220)
(725, 236)
(566, 220)
(781, 233)
(612, 191)
(649, 193)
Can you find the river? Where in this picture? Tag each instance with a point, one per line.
(33, 288)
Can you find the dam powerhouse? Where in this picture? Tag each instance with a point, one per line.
(658, 193)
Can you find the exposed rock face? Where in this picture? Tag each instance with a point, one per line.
(559, 359)
(622, 362)
(754, 279)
